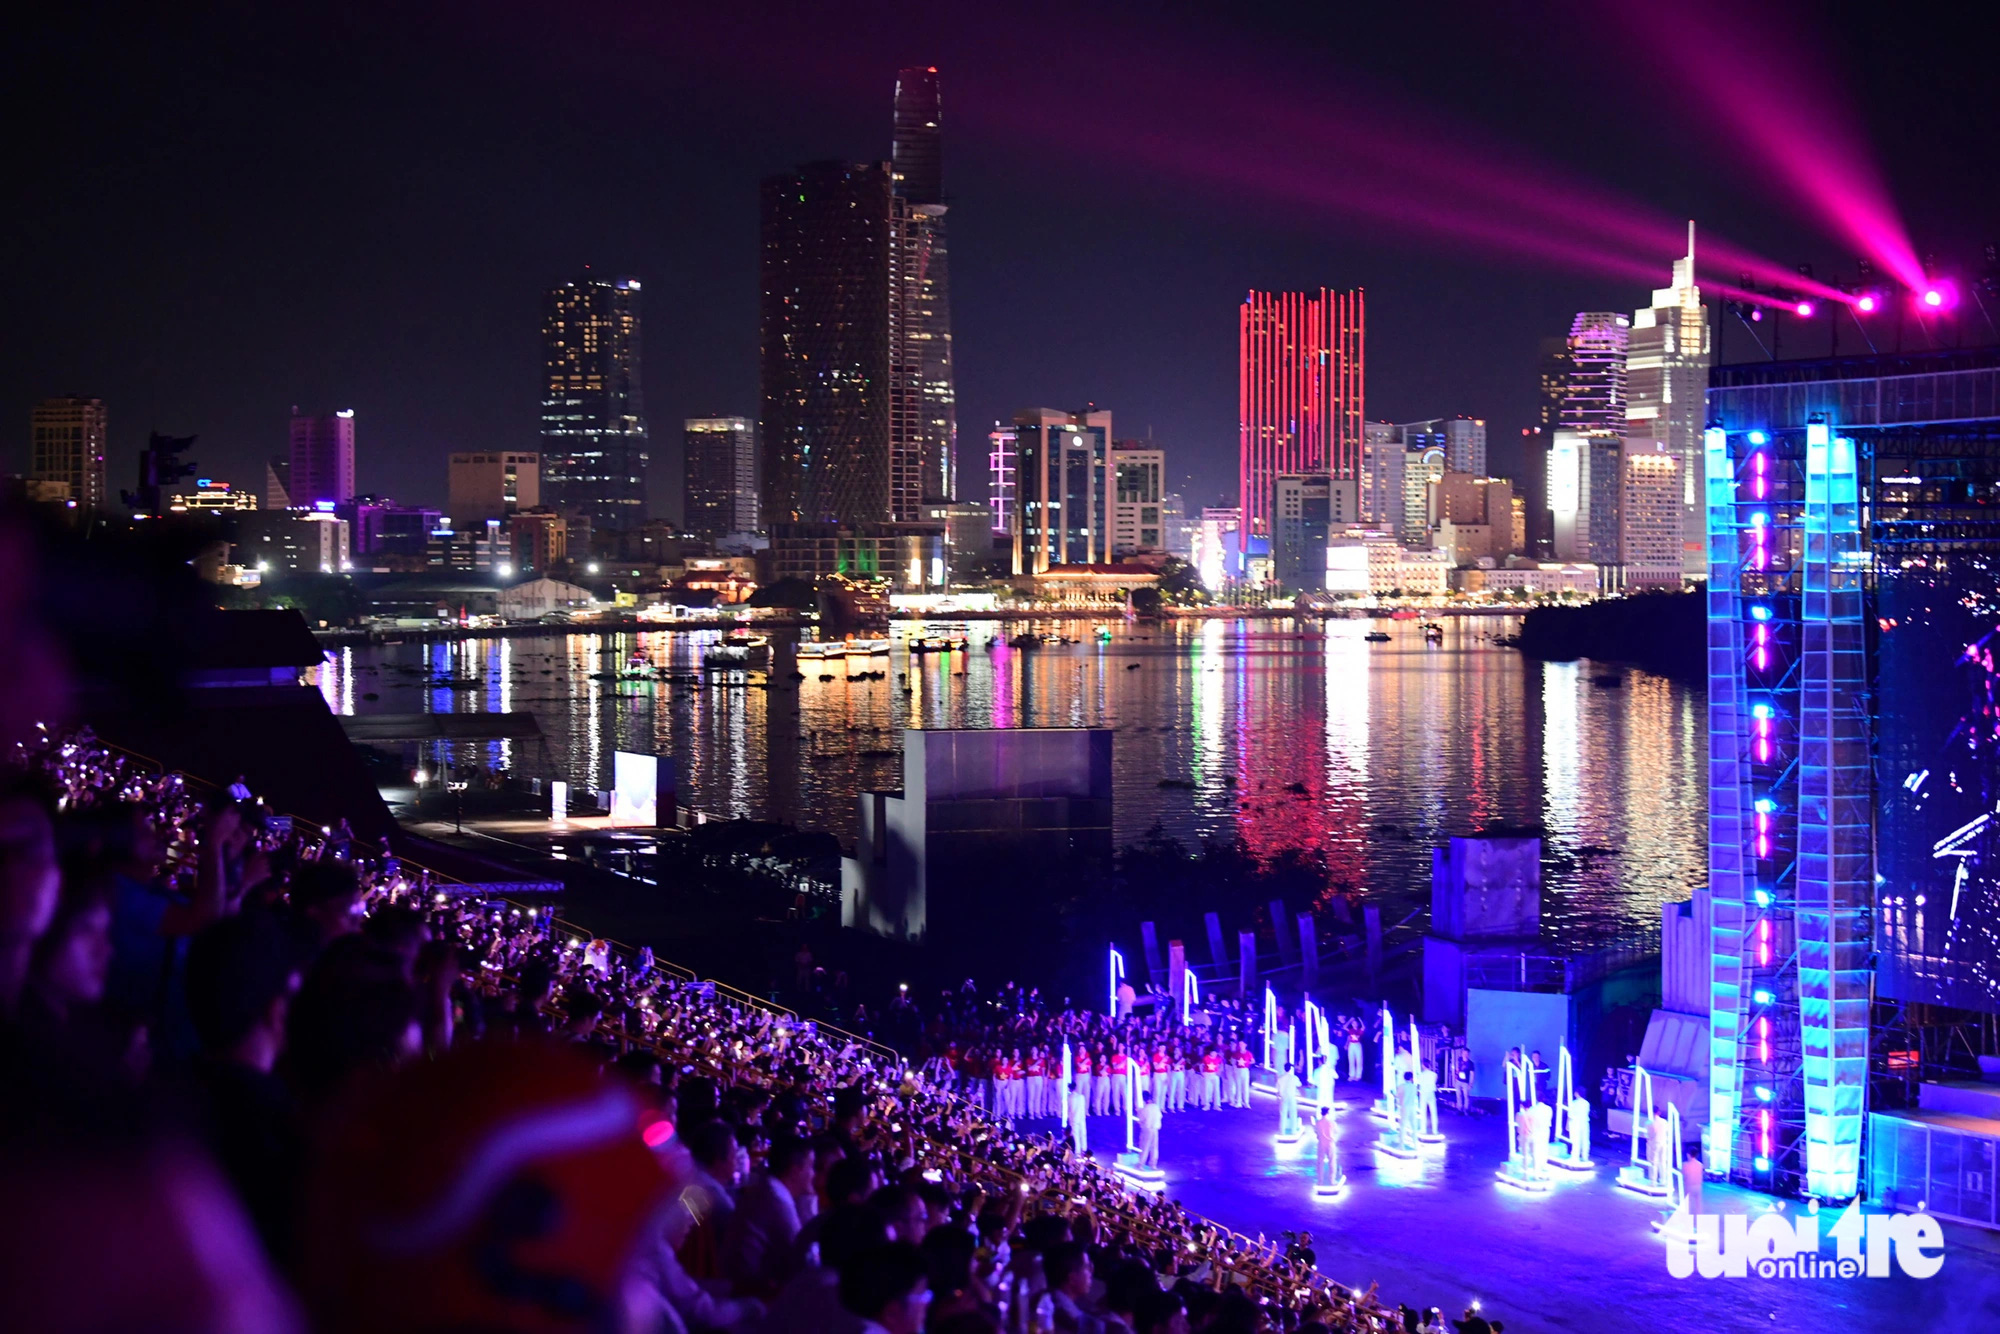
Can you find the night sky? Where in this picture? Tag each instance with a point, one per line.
(220, 216)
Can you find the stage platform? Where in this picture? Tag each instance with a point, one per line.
(1945, 1153)
(1442, 1231)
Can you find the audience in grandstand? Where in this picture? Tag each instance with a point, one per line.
(418, 1110)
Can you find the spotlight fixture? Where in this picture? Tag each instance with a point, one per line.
(1805, 309)
(1757, 315)
(1867, 302)
(1934, 297)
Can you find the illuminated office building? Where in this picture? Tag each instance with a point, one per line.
(322, 458)
(1382, 459)
(859, 416)
(66, 444)
(1138, 482)
(1666, 377)
(719, 472)
(1300, 361)
(594, 443)
(1592, 393)
(1063, 489)
(924, 287)
(1649, 517)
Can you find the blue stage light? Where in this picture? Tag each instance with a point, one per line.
(1763, 1094)
(1759, 438)
(1765, 805)
(1763, 898)
(1762, 998)
(1760, 613)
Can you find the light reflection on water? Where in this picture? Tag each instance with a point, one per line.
(1286, 735)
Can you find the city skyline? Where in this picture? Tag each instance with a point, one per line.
(1454, 332)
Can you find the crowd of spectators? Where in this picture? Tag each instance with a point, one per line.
(266, 1077)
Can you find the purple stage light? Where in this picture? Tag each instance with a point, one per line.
(1805, 309)
(1867, 303)
(1757, 314)
(1938, 296)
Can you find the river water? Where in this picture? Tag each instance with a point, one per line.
(1285, 735)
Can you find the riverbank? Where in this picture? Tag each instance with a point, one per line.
(350, 636)
(1665, 633)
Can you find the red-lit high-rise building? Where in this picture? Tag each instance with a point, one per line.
(1299, 403)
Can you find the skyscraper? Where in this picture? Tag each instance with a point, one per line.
(1064, 489)
(67, 445)
(1300, 359)
(1593, 387)
(1666, 378)
(824, 344)
(720, 494)
(1382, 459)
(593, 414)
(322, 458)
(1138, 480)
(1649, 517)
(924, 289)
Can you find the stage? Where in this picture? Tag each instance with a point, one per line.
(1442, 1231)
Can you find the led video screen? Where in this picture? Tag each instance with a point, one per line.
(1937, 780)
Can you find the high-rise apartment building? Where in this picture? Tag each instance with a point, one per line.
(1300, 358)
(719, 460)
(1000, 476)
(1423, 468)
(1650, 528)
(1666, 381)
(67, 438)
(1063, 489)
(492, 483)
(1139, 474)
(1382, 458)
(924, 287)
(322, 458)
(594, 452)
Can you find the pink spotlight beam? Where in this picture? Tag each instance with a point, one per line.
(1776, 100)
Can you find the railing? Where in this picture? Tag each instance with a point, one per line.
(1553, 972)
(582, 936)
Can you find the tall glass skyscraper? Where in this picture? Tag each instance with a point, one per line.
(1666, 376)
(593, 415)
(1300, 359)
(923, 343)
(824, 341)
(859, 411)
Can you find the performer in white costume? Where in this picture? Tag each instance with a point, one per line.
(1327, 1177)
(1288, 1105)
(1149, 1130)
